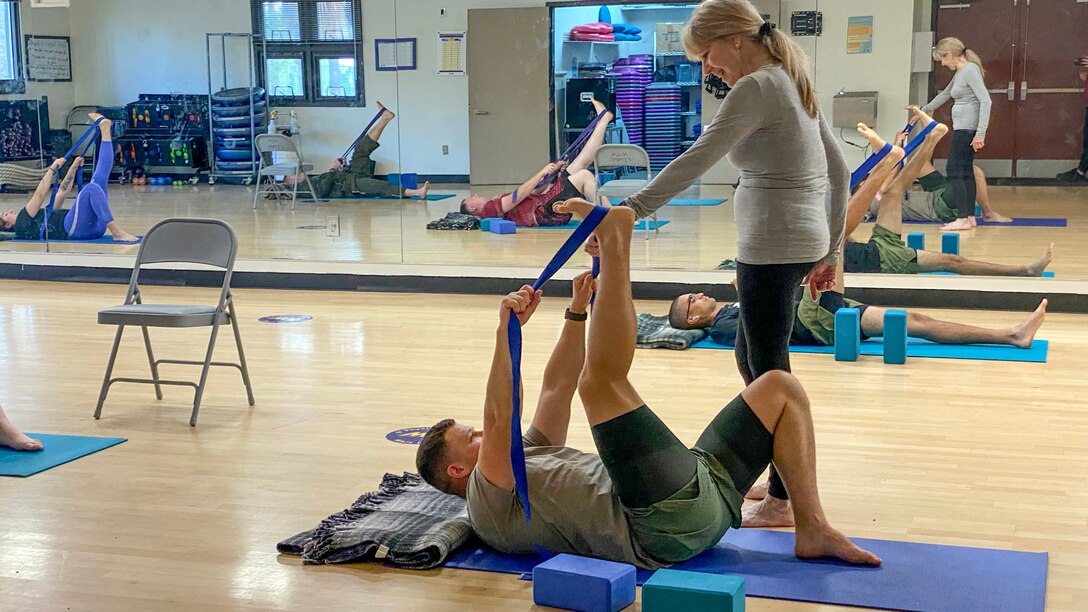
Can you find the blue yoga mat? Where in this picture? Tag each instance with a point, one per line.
(696, 202)
(913, 577)
(58, 450)
(431, 197)
(102, 240)
(641, 225)
(916, 347)
(1047, 274)
(1016, 222)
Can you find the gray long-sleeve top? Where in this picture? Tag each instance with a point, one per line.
(783, 208)
(971, 106)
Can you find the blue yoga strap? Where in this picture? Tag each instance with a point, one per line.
(87, 136)
(513, 334)
(347, 152)
(568, 156)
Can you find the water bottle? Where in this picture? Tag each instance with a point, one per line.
(293, 126)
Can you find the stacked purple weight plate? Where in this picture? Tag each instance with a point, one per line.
(663, 123)
(633, 75)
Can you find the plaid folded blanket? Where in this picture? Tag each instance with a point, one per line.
(655, 332)
(405, 523)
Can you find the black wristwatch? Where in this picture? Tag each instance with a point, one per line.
(575, 316)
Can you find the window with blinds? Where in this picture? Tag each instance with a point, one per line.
(310, 51)
(11, 58)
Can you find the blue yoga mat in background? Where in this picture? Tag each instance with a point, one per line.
(102, 240)
(916, 347)
(431, 197)
(1016, 222)
(58, 450)
(641, 225)
(913, 577)
(697, 202)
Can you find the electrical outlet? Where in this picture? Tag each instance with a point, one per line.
(445, 149)
(332, 226)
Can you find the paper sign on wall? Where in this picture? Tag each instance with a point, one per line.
(49, 58)
(451, 53)
(859, 34)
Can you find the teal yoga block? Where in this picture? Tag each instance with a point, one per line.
(581, 583)
(675, 591)
(847, 334)
(485, 224)
(895, 336)
(916, 241)
(950, 243)
(502, 226)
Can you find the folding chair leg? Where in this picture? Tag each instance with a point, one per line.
(294, 191)
(257, 190)
(310, 185)
(241, 352)
(109, 372)
(151, 362)
(204, 375)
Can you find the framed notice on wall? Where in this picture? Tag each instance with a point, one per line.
(451, 53)
(49, 58)
(859, 34)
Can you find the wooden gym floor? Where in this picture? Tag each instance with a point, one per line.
(391, 231)
(971, 453)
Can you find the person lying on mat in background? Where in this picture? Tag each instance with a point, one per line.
(645, 498)
(90, 216)
(357, 179)
(885, 251)
(534, 207)
(932, 203)
(11, 437)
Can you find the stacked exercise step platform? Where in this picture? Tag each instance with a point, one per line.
(238, 115)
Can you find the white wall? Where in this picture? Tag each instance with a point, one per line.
(47, 22)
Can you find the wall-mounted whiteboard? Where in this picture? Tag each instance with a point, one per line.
(49, 58)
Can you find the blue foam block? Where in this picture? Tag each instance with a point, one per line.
(916, 241)
(895, 336)
(978, 210)
(950, 243)
(501, 226)
(408, 180)
(914, 576)
(672, 590)
(847, 334)
(581, 583)
(916, 347)
(58, 450)
(485, 224)
(1048, 274)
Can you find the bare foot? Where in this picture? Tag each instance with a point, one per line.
(959, 225)
(1024, 332)
(759, 491)
(599, 107)
(868, 133)
(423, 191)
(124, 237)
(1037, 268)
(828, 543)
(389, 112)
(995, 217)
(11, 437)
(618, 219)
(769, 512)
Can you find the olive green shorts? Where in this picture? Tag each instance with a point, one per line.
(895, 257)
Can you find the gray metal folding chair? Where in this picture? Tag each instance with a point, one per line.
(210, 242)
(267, 144)
(623, 156)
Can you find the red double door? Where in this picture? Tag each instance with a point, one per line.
(1028, 48)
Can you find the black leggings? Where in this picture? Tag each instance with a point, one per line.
(1083, 165)
(766, 294)
(648, 464)
(961, 173)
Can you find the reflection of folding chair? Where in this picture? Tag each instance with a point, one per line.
(209, 242)
(623, 156)
(278, 143)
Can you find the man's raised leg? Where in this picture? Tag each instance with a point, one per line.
(869, 189)
(596, 139)
(890, 216)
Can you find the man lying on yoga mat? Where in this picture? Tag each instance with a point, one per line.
(90, 216)
(931, 204)
(11, 437)
(358, 178)
(645, 499)
(885, 250)
(534, 207)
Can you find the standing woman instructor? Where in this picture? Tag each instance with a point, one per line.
(970, 119)
(790, 205)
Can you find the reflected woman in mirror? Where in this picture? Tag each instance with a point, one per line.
(790, 204)
(970, 120)
(530, 206)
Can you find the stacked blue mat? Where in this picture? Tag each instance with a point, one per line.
(663, 123)
(913, 576)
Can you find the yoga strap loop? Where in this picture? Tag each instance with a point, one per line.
(867, 166)
(346, 157)
(513, 336)
(87, 136)
(568, 156)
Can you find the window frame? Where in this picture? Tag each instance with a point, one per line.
(16, 85)
(311, 49)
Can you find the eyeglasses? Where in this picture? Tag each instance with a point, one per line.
(691, 300)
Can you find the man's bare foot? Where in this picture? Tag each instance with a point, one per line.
(759, 491)
(618, 219)
(1024, 332)
(828, 543)
(387, 111)
(1037, 268)
(959, 225)
(599, 107)
(11, 437)
(420, 193)
(868, 133)
(124, 237)
(995, 217)
(768, 512)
